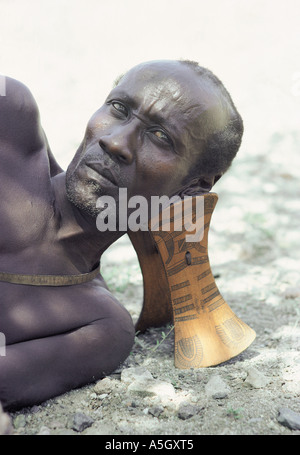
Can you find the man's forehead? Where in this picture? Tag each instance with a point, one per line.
(165, 84)
(159, 75)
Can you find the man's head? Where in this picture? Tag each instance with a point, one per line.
(166, 128)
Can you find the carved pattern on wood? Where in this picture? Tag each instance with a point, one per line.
(179, 286)
(188, 352)
(207, 332)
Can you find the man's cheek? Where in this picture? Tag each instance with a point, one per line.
(97, 126)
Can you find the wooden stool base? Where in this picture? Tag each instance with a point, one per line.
(179, 286)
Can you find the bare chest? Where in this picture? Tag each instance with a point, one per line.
(25, 203)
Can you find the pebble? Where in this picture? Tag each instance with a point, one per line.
(106, 386)
(220, 395)
(44, 431)
(139, 380)
(256, 379)
(20, 421)
(130, 375)
(291, 292)
(186, 411)
(289, 418)
(216, 388)
(81, 421)
(152, 387)
(35, 409)
(156, 411)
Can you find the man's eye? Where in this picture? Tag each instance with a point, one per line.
(120, 107)
(162, 136)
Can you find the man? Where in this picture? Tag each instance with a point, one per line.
(166, 128)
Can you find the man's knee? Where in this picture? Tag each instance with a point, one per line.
(105, 343)
(119, 332)
(79, 357)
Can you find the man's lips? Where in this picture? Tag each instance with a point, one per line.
(102, 170)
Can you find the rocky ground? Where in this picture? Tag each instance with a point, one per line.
(254, 252)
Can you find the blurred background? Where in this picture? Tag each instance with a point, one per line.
(69, 52)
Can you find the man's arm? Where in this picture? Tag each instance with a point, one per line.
(19, 118)
(20, 126)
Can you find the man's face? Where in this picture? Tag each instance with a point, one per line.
(145, 138)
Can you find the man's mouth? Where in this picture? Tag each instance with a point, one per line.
(102, 170)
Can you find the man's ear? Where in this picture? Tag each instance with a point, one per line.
(199, 185)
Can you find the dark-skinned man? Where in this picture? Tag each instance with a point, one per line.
(167, 128)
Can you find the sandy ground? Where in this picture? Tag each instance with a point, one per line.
(68, 53)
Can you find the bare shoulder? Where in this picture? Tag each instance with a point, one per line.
(19, 117)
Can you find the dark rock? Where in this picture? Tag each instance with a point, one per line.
(156, 411)
(220, 395)
(289, 418)
(81, 422)
(186, 411)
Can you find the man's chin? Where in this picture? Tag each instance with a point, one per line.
(83, 198)
(87, 207)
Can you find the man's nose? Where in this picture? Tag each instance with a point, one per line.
(121, 143)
